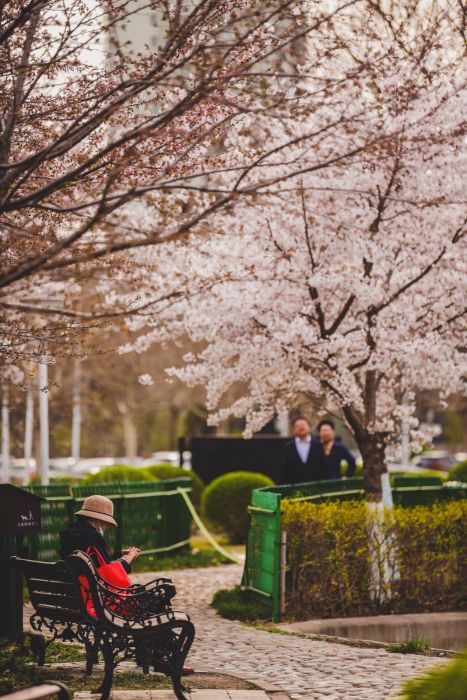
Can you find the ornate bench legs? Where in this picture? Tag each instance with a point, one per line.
(170, 651)
(92, 650)
(38, 646)
(109, 666)
(165, 649)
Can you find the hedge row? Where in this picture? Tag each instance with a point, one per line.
(155, 472)
(344, 559)
(224, 502)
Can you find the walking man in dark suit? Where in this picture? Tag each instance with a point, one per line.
(296, 465)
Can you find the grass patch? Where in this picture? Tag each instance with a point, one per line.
(414, 646)
(446, 683)
(18, 670)
(32, 675)
(59, 652)
(233, 604)
(188, 559)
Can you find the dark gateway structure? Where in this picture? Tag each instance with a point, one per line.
(213, 456)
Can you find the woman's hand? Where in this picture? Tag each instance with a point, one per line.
(130, 554)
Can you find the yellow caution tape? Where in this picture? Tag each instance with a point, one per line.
(204, 530)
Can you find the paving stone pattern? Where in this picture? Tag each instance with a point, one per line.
(302, 668)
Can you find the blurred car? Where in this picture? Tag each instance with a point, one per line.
(439, 462)
(395, 467)
(17, 470)
(166, 457)
(91, 465)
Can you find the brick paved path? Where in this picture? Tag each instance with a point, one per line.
(303, 668)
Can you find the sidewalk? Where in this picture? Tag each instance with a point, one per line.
(304, 669)
(286, 667)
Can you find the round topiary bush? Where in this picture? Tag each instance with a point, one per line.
(459, 472)
(226, 499)
(168, 471)
(118, 473)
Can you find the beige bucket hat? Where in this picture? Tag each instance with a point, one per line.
(98, 507)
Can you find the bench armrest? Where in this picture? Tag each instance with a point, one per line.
(156, 581)
(131, 593)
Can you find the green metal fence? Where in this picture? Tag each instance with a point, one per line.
(262, 572)
(151, 515)
(262, 564)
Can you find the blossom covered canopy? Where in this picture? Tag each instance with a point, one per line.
(345, 282)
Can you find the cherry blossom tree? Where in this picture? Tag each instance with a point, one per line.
(344, 283)
(105, 150)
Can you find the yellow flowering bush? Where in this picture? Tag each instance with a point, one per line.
(345, 558)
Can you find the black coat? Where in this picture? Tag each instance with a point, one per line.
(329, 466)
(81, 535)
(293, 470)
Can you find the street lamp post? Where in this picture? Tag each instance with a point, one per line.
(28, 432)
(5, 437)
(44, 456)
(43, 420)
(76, 418)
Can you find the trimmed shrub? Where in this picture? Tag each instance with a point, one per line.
(445, 683)
(358, 469)
(226, 499)
(459, 472)
(167, 471)
(328, 559)
(344, 559)
(117, 474)
(435, 477)
(233, 604)
(431, 555)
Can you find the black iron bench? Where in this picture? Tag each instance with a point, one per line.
(128, 623)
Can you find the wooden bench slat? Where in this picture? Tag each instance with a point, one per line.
(59, 614)
(42, 570)
(53, 599)
(46, 585)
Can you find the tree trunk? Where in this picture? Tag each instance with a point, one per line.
(372, 448)
(174, 413)
(131, 439)
(130, 433)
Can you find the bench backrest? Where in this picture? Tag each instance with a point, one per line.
(96, 593)
(51, 590)
(114, 607)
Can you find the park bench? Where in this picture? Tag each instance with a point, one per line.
(73, 603)
(40, 692)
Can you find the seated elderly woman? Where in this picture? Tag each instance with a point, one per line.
(87, 535)
(94, 518)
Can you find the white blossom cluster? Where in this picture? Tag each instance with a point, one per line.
(346, 282)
